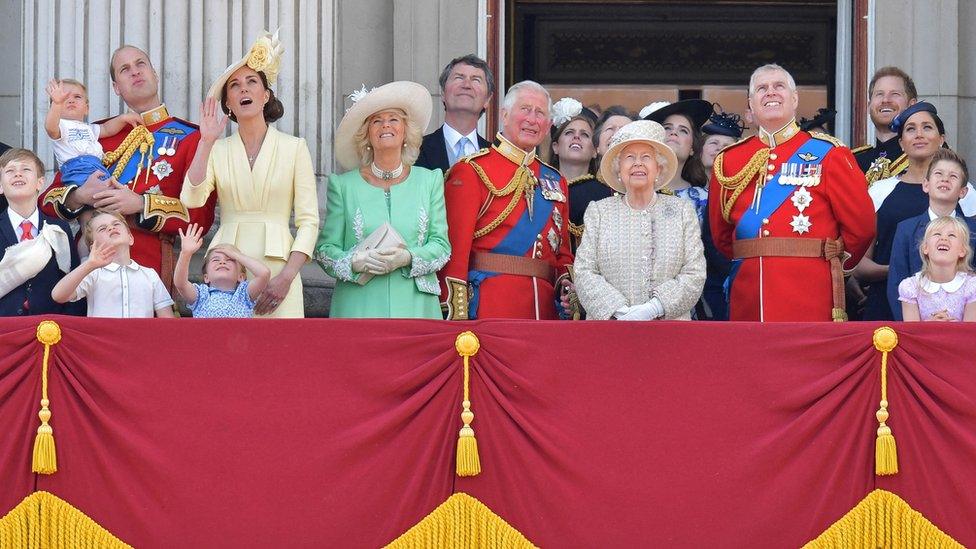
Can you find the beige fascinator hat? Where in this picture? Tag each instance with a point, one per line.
(639, 131)
(264, 56)
(410, 97)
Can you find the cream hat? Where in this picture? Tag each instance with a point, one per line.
(639, 131)
(410, 97)
(264, 56)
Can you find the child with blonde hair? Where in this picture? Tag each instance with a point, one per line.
(945, 288)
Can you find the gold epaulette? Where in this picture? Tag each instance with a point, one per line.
(898, 166)
(859, 150)
(730, 145)
(472, 156)
(828, 138)
(162, 208)
(580, 179)
(550, 166)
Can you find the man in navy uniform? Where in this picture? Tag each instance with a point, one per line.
(891, 91)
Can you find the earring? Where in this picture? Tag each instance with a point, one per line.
(404, 145)
(369, 147)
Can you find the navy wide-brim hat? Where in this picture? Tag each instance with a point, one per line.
(898, 124)
(697, 110)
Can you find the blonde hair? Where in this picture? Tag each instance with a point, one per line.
(89, 235)
(963, 264)
(413, 137)
(73, 82)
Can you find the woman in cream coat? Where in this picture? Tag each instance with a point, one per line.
(261, 176)
(641, 257)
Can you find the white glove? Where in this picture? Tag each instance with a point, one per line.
(394, 257)
(367, 261)
(651, 310)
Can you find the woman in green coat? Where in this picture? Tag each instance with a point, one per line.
(385, 231)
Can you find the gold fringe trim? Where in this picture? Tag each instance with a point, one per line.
(885, 451)
(732, 186)
(141, 139)
(461, 522)
(883, 519)
(45, 456)
(468, 462)
(45, 520)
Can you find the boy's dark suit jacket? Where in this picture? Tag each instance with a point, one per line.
(36, 292)
(433, 151)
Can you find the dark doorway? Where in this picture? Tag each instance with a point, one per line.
(635, 52)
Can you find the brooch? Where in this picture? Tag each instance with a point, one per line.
(801, 199)
(161, 169)
(553, 240)
(557, 218)
(801, 224)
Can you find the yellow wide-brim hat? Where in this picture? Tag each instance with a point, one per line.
(410, 97)
(263, 56)
(639, 131)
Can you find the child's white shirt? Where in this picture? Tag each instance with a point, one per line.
(77, 139)
(115, 291)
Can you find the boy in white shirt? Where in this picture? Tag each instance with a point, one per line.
(115, 285)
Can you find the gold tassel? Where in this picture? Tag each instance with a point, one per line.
(885, 450)
(468, 462)
(45, 459)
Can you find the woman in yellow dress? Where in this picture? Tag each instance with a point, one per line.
(261, 176)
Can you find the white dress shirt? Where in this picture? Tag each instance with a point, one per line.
(16, 220)
(132, 291)
(451, 138)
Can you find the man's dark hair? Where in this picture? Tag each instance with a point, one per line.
(474, 61)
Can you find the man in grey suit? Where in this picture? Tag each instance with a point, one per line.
(466, 86)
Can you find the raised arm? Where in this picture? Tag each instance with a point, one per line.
(118, 123)
(190, 242)
(58, 95)
(212, 125)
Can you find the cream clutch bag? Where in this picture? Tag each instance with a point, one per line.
(385, 236)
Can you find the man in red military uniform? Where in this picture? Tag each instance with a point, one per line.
(148, 162)
(789, 208)
(508, 216)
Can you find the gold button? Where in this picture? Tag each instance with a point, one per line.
(766, 221)
(765, 233)
(772, 156)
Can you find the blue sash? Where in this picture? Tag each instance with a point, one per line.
(517, 242)
(773, 196)
(164, 134)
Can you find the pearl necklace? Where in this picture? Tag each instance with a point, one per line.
(384, 175)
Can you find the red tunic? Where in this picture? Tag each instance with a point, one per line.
(471, 206)
(155, 232)
(793, 288)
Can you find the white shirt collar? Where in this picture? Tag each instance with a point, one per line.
(933, 216)
(452, 136)
(113, 266)
(949, 287)
(16, 220)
